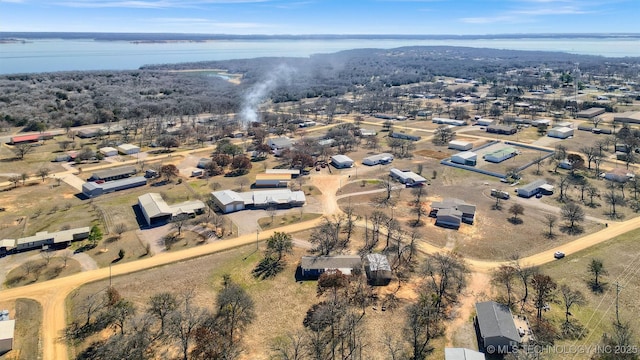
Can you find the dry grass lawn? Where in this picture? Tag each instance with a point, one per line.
(26, 345)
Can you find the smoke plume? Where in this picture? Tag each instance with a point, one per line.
(258, 92)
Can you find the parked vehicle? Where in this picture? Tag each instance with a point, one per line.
(558, 254)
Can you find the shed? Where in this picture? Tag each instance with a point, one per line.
(618, 175)
(313, 266)
(462, 354)
(88, 133)
(560, 132)
(538, 122)
(203, 163)
(628, 117)
(108, 151)
(531, 188)
(384, 158)
(377, 269)
(501, 155)
(272, 180)
(7, 329)
(460, 145)
(341, 161)
(128, 149)
(496, 327)
(465, 158)
(20, 139)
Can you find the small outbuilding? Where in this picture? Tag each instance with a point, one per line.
(460, 145)
(128, 149)
(384, 158)
(501, 129)
(108, 151)
(618, 175)
(468, 158)
(560, 132)
(591, 112)
(114, 173)
(378, 269)
(341, 161)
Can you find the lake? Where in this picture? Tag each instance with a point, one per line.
(66, 55)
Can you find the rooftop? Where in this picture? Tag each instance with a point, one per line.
(496, 320)
(113, 172)
(330, 262)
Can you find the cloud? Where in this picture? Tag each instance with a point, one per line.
(207, 23)
(533, 10)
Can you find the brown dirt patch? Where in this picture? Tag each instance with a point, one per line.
(438, 155)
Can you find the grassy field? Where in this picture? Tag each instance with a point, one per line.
(41, 272)
(282, 220)
(26, 345)
(621, 260)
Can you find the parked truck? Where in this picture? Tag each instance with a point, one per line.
(499, 194)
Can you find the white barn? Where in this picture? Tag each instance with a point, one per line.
(465, 158)
(560, 132)
(128, 149)
(341, 161)
(155, 210)
(460, 145)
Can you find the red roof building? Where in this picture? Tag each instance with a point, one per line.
(30, 138)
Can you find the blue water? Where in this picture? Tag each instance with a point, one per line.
(66, 55)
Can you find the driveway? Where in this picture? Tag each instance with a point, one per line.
(153, 237)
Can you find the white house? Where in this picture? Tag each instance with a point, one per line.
(531, 188)
(460, 145)
(272, 180)
(560, 132)
(280, 143)
(484, 122)
(128, 149)
(465, 158)
(341, 161)
(383, 158)
(108, 151)
(408, 178)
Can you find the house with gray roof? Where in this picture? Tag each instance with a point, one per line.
(452, 212)
(496, 327)
(313, 266)
(44, 239)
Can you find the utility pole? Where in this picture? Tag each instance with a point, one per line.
(618, 287)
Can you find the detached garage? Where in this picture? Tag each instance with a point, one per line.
(341, 161)
(560, 132)
(108, 151)
(460, 145)
(128, 149)
(228, 201)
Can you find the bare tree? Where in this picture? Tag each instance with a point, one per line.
(570, 297)
(550, 220)
(504, 276)
(65, 256)
(516, 210)
(596, 268)
(161, 306)
(15, 179)
(573, 213)
(22, 149)
(119, 229)
(47, 255)
(543, 292)
(43, 172)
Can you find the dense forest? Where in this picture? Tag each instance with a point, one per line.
(68, 99)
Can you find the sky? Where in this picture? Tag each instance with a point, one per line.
(275, 17)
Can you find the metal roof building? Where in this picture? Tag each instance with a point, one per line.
(156, 210)
(462, 354)
(7, 329)
(93, 189)
(383, 158)
(229, 201)
(43, 238)
(114, 173)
